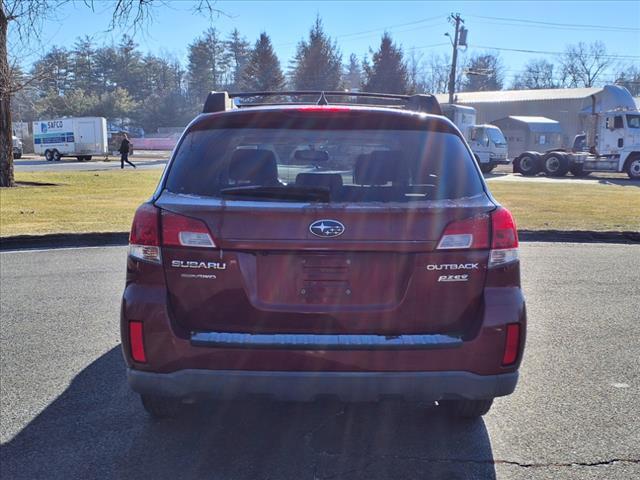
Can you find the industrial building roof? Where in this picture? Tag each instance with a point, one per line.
(535, 124)
(521, 95)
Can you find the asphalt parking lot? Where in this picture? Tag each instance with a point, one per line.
(67, 412)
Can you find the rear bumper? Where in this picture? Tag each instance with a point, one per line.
(305, 386)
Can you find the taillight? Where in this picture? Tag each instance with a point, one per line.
(144, 240)
(470, 233)
(504, 238)
(181, 231)
(512, 344)
(136, 341)
(473, 234)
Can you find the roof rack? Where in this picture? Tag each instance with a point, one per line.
(222, 101)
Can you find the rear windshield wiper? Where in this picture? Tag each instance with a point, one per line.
(287, 193)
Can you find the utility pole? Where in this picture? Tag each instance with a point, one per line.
(456, 20)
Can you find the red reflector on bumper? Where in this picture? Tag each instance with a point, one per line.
(512, 344)
(137, 342)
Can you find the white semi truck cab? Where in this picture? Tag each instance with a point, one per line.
(486, 141)
(610, 144)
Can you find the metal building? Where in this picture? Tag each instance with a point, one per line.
(529, 133)
(570, 107)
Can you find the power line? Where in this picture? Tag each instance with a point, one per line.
(519, 50)
(552, 24)
(375, 30)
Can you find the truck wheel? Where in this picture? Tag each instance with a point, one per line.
(527, 164)
(56, 155)
(161, 407)
(48, 154)
(578, 170)
(487, 167)
(80, 158)
(555, 164)
(87, 158)
(467, 408)
(17, 156)
(633, 168)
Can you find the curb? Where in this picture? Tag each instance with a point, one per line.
(65, 240)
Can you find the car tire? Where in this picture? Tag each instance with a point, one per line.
(161, 407)
(527, 164)
(633, 168)
(487, 167)
(467, 408)
(579, 171)
(56, 155)
(555, 164)
(17, 156)
(48, 155)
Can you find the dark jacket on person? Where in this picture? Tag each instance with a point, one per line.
(125, 146)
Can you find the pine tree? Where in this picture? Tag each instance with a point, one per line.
(129, 72)
(208, 65)
(318, 62)
(484, 73)
(237, 54)
(83, 65)
(353, 73)
(262, 72)
(388, 71)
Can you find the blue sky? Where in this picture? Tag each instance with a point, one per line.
(358, 25)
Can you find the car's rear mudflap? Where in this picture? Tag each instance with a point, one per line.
(308, 386)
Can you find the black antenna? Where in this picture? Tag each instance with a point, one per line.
(322, 100)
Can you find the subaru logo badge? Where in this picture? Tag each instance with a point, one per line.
(326, 228)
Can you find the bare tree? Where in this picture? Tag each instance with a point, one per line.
(629, 77)
(437, 73)
(26, 18)
(536, 74)
(582, 64)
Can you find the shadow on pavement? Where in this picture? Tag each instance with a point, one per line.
(97, 429)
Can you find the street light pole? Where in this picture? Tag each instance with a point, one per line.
(452, 75)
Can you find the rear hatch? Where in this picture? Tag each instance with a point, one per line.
(359, 254)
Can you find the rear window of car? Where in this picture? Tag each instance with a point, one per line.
(361, 165)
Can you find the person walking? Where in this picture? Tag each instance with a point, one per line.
(125, 146)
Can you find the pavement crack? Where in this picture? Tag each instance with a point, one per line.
(599, 463)
(309, 435)
(459, 461)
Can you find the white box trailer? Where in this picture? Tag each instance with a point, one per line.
(80, 137)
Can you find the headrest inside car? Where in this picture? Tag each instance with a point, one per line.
(332, 181)
(255, 166)
(381, 167)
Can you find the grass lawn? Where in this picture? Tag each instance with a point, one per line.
(77, 202)
(105, 201)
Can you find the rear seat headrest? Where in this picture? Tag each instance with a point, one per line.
(381, 167)
(256, 166)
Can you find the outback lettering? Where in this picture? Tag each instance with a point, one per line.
(453, 266)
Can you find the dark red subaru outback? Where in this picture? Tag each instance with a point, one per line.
(299, 250)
